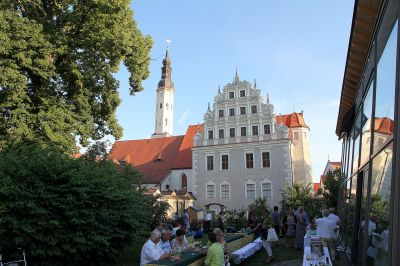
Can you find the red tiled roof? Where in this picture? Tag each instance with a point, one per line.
(335, 165)
(184, 158)
(384, 125)
(291, 120)
(153, 158)
(316, 187)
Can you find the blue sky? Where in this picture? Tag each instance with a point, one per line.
(295, 49)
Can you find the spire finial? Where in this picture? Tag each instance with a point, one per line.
(209, 109)
(236, 79)
(255, 83)
(219, 88)
(267, 97)
(167, 50)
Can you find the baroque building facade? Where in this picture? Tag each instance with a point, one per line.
(246, 151)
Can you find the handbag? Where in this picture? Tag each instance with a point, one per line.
(272, 235)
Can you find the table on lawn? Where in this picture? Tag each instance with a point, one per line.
(191, 258)
(307, 251)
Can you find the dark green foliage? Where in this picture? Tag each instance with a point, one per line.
(299, 195)
(258, 206)
(236, 219)
(66, 211)
(331, 188)
(57, 60)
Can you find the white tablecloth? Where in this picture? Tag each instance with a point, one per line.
(246, 251)
(307, 251)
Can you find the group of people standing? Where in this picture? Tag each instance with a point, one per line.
(292, 225)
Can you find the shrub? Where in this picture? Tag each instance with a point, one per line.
(66, 211)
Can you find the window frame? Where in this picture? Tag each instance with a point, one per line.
(222, 162)
(262, 190)
(214, 194)
(249, 160)
(254, 109)
(254, 131)
(241, 131)
(267, 160)
(225, 183)
(212, 162)
(246, 191)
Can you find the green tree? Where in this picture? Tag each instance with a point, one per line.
(66, 211)
(300, 195)
(258, 206)
(331, 188)
(57, 60)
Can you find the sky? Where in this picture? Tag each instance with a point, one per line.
(296, 50)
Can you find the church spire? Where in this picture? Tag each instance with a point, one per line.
(166, 81)
(165, 100)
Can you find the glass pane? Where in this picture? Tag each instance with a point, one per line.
(363, 224)
(385, 92)
(349, 159)
(356, 138)
(366, 125)
(351, 211)
(378, 231)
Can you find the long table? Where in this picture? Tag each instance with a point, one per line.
(307, 252)
(234, 242)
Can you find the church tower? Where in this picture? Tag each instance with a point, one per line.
(165, 101)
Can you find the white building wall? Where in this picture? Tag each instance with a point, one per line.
(174, 180)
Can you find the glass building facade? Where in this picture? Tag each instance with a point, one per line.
(369, 129)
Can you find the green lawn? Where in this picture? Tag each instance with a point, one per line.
(281, 253)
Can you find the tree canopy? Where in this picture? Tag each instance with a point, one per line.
(65, 211)
(57, 60)
(331, 188)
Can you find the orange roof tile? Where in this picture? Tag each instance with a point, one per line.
(153, 158)
(384, 125)
(291, 120)
(335, 165)
(184, 158)
(316, 187)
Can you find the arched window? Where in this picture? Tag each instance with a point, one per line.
(184, 183)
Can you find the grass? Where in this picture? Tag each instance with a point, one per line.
(131, 255)
(280, 252)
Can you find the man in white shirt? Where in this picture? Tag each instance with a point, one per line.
(336, 220)
(152, 250)
(165, 243)
(325, 230)
(207, 221)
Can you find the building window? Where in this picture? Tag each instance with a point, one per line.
(210, 191)
(242, 93)
(231, 95)
(243, 131)
(296, 135)
(224, 162)
(266, 160)
(166, 106)
(254, 109)
(232, 132)
(251, 191)
(249, 160)
(221, 113)
(221, 133)
(210, 134)
(210, 163)
(266, 190)
(184, 183)
(224, 191)
(242, 110)
(231, 112)
(267, 129)
(255, 130)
